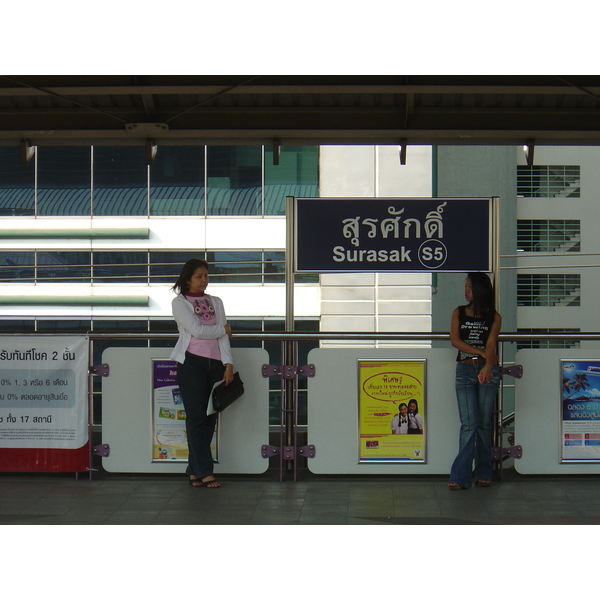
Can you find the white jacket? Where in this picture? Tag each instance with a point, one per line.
(189, 326)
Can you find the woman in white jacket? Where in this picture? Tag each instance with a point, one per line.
(203, 354)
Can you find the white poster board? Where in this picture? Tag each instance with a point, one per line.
(127, 423)
(539, 411)
(333, 412)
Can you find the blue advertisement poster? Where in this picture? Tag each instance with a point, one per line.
(580, 418)
(393, 234)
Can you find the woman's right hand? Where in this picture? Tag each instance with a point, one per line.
(485, 375)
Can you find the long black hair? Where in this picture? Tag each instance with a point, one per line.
(181, 285)
(413, 401)
(484, 301)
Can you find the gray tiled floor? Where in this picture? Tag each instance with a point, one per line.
(60, 499)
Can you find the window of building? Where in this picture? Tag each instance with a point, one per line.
(141, 266)
(297, 174)
(555, 235)
(235, 267)
(548, 290)
(177, 181)
(233, 180)
(17, 266)
(17, 184)
(548, 181)
(63, 267)
(120, 266)
(64, 180)
(120, 181)
(165, 266)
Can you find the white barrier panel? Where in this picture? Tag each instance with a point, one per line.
(127, 401)
(333, 425)
(538, 412)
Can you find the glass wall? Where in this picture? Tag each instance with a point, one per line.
(177, 178)
(64, 180)
(182, 180)
(141, 266)
(17, 184)
(120, 177)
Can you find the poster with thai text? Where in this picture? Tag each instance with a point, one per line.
(392, 408)
(43, 392)
(580, 411)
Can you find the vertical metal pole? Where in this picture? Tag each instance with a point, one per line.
(497, 430)
(290, 352)
(90, 423)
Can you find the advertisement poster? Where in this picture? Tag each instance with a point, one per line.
(169, 432)
(392, 411)
(44, 404)
(580, 419)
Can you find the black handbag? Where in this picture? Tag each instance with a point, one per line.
(224, 395)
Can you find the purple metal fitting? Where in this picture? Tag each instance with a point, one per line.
(268, 451)
(499, 454)
(307, 451)
(102, 370)
(307, 370)
(101, 450)
(515, 371)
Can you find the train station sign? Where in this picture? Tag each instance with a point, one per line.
(393, 234)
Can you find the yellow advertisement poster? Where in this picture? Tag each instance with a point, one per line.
(391, 411)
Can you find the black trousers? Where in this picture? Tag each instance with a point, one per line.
(196, 378)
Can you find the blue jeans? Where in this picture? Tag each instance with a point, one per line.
(475, 408)
(196, 378)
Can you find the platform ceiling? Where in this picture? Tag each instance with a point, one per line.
(293, 110)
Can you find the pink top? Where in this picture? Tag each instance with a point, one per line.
(205, 311)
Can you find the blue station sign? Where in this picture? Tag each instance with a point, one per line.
(393, 234)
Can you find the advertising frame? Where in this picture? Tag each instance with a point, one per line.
(399, 382)
(579, 412)
(169, 432)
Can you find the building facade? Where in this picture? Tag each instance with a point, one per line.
(92, 237)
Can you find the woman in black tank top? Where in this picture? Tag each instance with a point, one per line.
(474, 331)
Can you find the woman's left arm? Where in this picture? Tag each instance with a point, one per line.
(224, 345)
(490, 350)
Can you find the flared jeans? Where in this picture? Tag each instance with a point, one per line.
(475, 409)
(196, 378)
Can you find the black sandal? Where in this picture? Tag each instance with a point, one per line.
(212, 483)
(453, 487)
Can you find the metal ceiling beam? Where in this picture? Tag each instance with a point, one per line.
(413, 137)
(201, 90)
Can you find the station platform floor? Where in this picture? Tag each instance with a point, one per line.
(137, 499)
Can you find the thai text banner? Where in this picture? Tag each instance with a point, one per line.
(44, 392)
(393, 234)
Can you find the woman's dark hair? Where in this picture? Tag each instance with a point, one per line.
(484, 302)
(401, 405)
(181, 285)
(413, 401)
